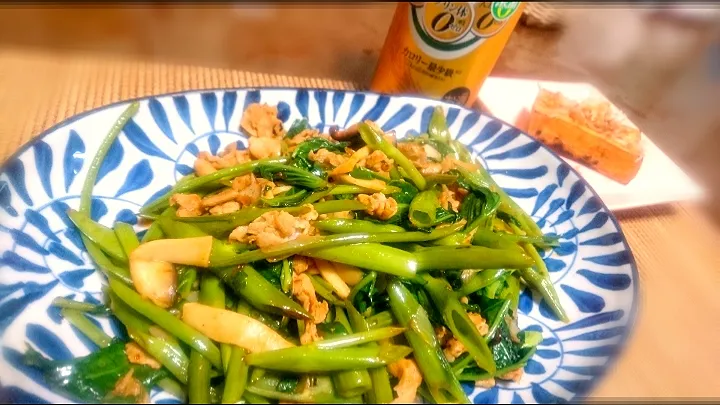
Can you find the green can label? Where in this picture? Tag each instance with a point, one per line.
(502, 10)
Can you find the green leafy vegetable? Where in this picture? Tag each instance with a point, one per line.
(399, 219)
(478, 206)
(289, 198)
(494, 313)
(362, 296)
(187, 281)
(331, 329)
(92, 378)
(271, 271)
(504, 216)
(301, 154)
(415, 287)
(291, 175)
(444, 216)
(367, 174)
(320, 391)
(287, 383)
(505, 351)
(297, 127)
(407, 191)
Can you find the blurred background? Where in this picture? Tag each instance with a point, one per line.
(660, 64)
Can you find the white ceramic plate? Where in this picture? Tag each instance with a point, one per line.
(649, 187)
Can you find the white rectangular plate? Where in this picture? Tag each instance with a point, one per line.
(659, 180)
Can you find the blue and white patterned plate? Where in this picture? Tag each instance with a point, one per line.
(42, 255)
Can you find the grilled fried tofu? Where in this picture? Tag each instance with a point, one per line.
(590, 132)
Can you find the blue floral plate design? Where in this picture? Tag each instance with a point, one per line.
(42, 256)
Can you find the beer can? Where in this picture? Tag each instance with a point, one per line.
(444, 50)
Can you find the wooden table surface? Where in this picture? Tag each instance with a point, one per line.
(673, 351)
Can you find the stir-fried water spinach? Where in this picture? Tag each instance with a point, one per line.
(306, 269)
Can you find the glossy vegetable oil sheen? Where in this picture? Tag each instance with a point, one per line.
(444, 50)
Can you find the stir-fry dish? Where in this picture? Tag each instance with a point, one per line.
(310, 268)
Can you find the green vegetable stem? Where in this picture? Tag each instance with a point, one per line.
(259, 292)
(469, 257)
(481, 280)
(104, 241)
(83, 324)
(370, 256)
(313, 359)
(324, 290)
(212, 294)
(110, 269)
(102, 236)
(167, 321)
(236, 376)
(381, 392)
(349, 383)
(270, 385)
(126, 236)
(187, 275)
(220, 252)
(459, 322)
(544, 286)
(91, 177)
(300, 245)
(376, 141)
(423, 209)
(167, 352)
(97, 309)
(381, 320)
(94, 251)
(193, 184)
(359, 338)
(220, 226)
(437, 374)
(338, 225)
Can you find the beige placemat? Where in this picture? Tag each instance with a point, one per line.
(673, 351)
(542, 14)
(40, 89)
